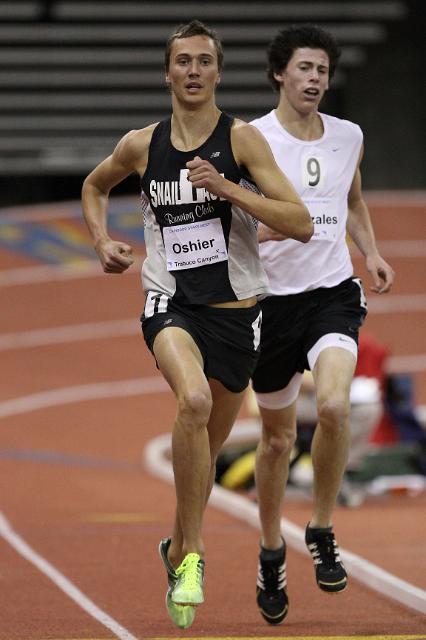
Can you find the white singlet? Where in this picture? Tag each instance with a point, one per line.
(322, 172)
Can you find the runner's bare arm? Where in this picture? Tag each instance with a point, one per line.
(281, 209)
(361, 230)
(265, 233)
(129, 155)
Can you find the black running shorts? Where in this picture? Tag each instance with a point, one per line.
(293, 324)
(228, 338)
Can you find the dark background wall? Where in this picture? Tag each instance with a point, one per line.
(75, 75)
(387, 97)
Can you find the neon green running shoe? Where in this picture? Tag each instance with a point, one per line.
(189, 585)
(181, 615)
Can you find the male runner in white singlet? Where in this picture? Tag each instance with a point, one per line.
(315, 307)
(202, 274)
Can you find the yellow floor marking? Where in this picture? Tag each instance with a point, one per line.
(120, 517)
(11, 233)
(411, 637)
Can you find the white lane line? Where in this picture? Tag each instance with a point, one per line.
(57, 397)
(82, 393)
(158, 465)
(394, 249)
(406, 364)
(403, 248)
(119, 204)
(397, 303)
(50, 273)
(398, 199)
(63, 210)
(131, 327)
(58, 272)
(91, 268)
(65, 585)
(69, 333)
(156, 460)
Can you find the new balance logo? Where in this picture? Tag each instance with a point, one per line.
(166, 322)
(215, 154)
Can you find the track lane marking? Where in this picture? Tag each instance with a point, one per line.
(84, 268)
(58, 578)
(121, 204)
(381, 637)
(50, 273)
(397, 303)
(156, 462)
(125, 327)
(120, 518)
(62, 210)
(82, 393)
(70, 333)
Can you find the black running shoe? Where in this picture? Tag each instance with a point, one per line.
(163, 549)
(271, 593)
(330, 573)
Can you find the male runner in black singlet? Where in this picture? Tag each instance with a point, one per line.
(201, 275)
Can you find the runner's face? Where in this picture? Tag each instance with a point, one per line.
(305, 79)
(193, 72)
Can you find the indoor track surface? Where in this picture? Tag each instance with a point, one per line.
(84, 491)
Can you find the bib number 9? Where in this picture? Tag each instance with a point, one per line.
(312, 171)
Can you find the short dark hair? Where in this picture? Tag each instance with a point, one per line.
(194, 28)
(282, 47)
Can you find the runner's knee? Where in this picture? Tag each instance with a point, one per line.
(333, 412)
(281, 444)
(194, 407)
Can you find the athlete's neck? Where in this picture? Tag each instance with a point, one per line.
(305, 126)
(190, 128)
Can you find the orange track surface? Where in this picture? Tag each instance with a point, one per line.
(72, 484)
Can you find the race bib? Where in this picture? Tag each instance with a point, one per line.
(194, 245)
(324, 216)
